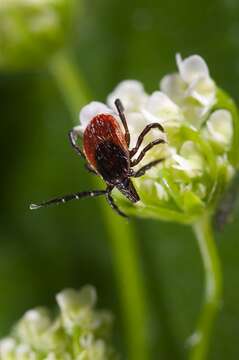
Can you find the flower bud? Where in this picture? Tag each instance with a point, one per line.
(200, 155)
(78, 332)
(31, 31)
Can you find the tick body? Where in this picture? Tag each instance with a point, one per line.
(106, 150)
(107, 154)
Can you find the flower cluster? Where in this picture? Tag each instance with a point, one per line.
(79, 332)
(201, 152)
(31, 31)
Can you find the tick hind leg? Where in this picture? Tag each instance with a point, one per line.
(90, 169)
(146, 167)
(66, 198)
(73, 137)
(112, 203)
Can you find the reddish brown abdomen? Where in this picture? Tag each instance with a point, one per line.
(102, 128)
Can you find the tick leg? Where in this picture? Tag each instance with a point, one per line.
(73, 136)
(144, 151)
(63, 199)
(120, 109)
(90, 169)
(112, 203)
(142, 135)
(146, 167)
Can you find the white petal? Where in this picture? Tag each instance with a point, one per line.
(191, 68)
(70, 300)
(32, 325)
(161, 109)
(89, 111)
(7, 346)
(136, 123)
(190, 152)
(86, 340)
(189, 160)
(23, 351)
(161, 192)
(201, 190)
(131, 93)
(204, 91)
(220, 127)
(173, 86)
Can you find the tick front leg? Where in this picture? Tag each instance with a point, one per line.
(73, 137)
(145, 150)
(146, 167)
(142, 135)
(120, 109)
(112, 203)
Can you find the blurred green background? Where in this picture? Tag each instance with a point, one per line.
(67, 246)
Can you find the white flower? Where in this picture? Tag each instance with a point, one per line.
(7, 347)
(36, 337)
(137, 121)
(189, 160)
(131, 93)
(219, 128)
(192, 68)
(76, 306)
(192, 88)
(31, 31)
(33, 324)
(24, 352)
(161, 192)
(72, 301)
(160, 108)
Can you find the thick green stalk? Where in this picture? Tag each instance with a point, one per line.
(123, 242)
(200, 341)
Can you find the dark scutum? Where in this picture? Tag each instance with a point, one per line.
(112, 161)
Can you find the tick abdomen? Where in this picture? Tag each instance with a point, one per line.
(105, 147)
(111, 161)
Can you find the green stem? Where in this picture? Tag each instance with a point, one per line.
(200, 341)
(70, 83)
(123, 242)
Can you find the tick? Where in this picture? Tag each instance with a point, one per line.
(106, 150)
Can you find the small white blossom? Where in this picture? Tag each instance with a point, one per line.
(161, 192)
(37, 337)
(7, 347)
(131, 93)
(32, 325)
(159, 108)
(72, 301)
(136, 123)
(192, 88)
(31, 31)
(219, 128)
(201, 190)
(190, 159)
(192, 68)
(24, 352)
(76, 306)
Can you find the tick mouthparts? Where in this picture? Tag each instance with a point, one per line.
(34, 206)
